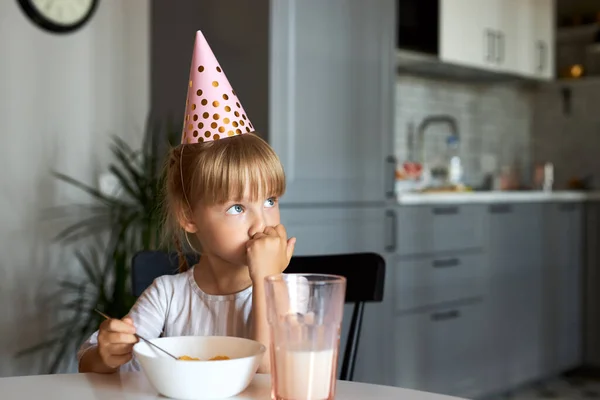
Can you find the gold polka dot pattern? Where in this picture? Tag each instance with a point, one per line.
(211, 103)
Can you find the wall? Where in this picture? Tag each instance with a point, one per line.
(494, 122)
(570, 140)
(61, 97)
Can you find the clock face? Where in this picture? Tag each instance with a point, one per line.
(59, 15)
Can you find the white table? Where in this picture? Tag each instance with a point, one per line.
(135, 386)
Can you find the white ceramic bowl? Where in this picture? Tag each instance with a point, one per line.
(200, 379)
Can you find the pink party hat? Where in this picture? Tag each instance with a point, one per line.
(212, 109)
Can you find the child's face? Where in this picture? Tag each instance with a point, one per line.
(224, 229)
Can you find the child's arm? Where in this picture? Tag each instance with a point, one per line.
(260, 326)
(269, 253)
(110, 349)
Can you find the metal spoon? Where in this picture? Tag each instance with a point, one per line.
(145, 340)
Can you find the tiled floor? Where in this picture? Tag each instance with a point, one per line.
(571, 388)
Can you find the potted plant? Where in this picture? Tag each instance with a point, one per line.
(112, 230)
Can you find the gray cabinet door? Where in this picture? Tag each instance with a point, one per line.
(562, 286)
(591, 295)
(514, 250)
(427, 229)
(331, 99)
(443, 350)
(338, 230)
(437, 279)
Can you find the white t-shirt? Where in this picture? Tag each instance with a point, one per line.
(174, 305)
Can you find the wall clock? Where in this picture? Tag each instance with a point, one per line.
(59, 16)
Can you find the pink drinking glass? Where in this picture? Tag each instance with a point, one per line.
(305, 314)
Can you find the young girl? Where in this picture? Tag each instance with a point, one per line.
(222, 192)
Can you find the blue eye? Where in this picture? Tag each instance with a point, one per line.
(235, 209)
(270, 202)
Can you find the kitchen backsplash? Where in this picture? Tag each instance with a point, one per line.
(566, 131)
(494, 122)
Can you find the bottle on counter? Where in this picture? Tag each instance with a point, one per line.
(455, 169)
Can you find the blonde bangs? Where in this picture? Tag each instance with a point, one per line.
(235, 168)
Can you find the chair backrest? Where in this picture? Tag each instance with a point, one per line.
(364, 272)
(146, 266)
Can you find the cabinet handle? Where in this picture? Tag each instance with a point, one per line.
(542, 49)
(446, 315)
(501, 44)
(500, 208)
(540, 54)
(390, 191)
(444, 210)
(489, 44)
(450, 262)
(391, 215)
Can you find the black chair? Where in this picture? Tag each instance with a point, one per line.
(364, 272)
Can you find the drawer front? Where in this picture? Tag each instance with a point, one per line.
(438, 279)
(444, 351)
(439, 228)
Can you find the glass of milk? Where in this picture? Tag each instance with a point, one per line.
(305, 317)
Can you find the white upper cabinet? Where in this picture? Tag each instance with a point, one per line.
(331, 98)
(540, 61)
(509, 36)
(468, 32)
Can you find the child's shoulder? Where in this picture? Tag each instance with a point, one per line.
(172, 283)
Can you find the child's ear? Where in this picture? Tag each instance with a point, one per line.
(186, 222)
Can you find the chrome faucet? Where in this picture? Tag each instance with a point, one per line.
(431, 120)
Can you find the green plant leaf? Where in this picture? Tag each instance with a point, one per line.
(114, 229)
(95, 193)
(76, 304)
(137, 171)
(83, 229)
(68, 211)
(125, 183)
(68, 284)
(92, 271)
(45, 345)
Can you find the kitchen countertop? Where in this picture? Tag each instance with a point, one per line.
(495, 197)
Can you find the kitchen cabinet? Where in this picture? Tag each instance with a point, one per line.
(510, 32)
(443, 350)
(591, 295)
(467, 35)
(331, 99)
(337, 230)
(374, 359)
(515, 296)
(428, 229)
(507, 36)
(538, 58)
(562, 291)
(497, 286)
(438, 278)
(436, 308)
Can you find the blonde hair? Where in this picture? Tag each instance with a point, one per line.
(215, 172)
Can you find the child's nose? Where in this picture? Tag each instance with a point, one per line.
(258, 225)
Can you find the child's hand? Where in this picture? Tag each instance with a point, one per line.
(115, 342)
(269, 252)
